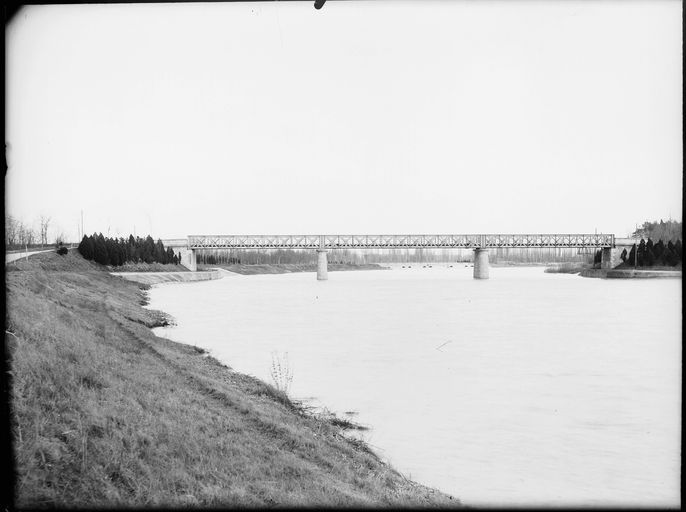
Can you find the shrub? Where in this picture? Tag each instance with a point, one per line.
(62, 251)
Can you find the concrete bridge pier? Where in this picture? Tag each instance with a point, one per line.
(188, 259)
(480, 263)
(610, 257)
(322, 265)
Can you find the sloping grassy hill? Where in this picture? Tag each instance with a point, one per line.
(104, 413)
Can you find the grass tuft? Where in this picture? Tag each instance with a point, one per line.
(281, 372)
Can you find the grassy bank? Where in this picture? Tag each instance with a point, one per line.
(286, 268)
(153, 278)
(104, 413)
(622, 270)
(568, 268)
(629, 273)
(667, 268)
(549, 264)
(149, 267)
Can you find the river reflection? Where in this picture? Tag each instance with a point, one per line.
(527, 388)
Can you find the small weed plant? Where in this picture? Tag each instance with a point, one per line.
(281, 372)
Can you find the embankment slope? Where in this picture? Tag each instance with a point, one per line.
(168, 277)
(104, 413)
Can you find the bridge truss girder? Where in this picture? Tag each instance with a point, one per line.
(398, 241)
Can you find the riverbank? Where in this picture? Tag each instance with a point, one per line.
(286, 268)
(629, 273)
(106, 414)
(149, 267)
(521, 264)
(568, 268)
(151, 278)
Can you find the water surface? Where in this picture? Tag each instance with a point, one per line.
(527, 388)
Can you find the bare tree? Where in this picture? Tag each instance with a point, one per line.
(18, 234)
(60, 238)
(25, 234)
(11, 231)
(21, 233)
(44, 224)
(30, 236)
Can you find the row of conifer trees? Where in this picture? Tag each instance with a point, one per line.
(649, 254)
(117, 251)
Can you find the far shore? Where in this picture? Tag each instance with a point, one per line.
(629, 273)
(520, 264)
(287, 268)
(623, 271)
(157, 273)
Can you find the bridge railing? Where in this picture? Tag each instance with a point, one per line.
(175, 242)
(398, 241)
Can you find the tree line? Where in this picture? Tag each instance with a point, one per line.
(364, 256)
(650, 254)
(20, 235)
(659, 230)
(117, 251)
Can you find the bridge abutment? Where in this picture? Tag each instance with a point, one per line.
(322, 265)
(610, 257)
(481, 263)
(188, 259)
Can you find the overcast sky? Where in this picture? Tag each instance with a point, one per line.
(359, 118)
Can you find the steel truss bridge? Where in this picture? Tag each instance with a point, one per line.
(327, 242)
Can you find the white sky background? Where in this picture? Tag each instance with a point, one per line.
(362, 117)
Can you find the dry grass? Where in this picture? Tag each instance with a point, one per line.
(149, 267)
(626, 266)
(104, 413)
(281, 372)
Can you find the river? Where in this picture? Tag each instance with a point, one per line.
(524, 389)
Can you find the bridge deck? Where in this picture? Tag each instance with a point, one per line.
(397, 241)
